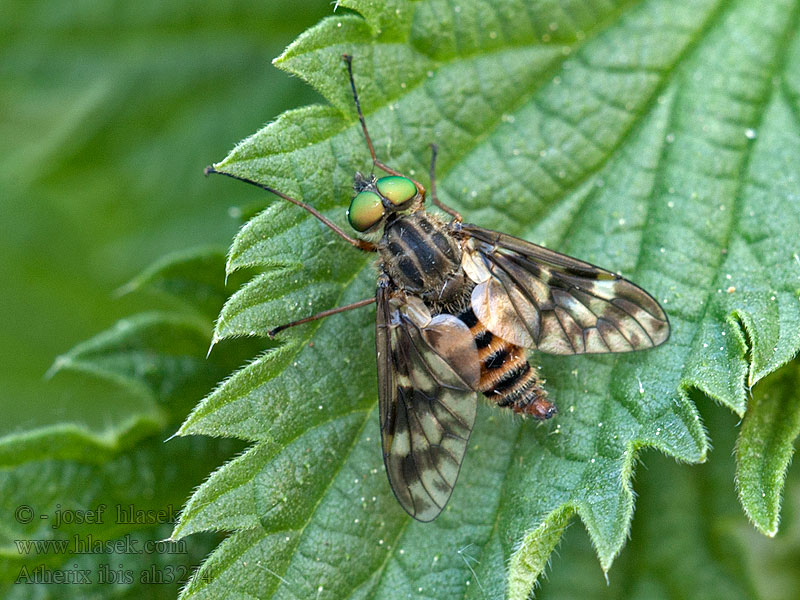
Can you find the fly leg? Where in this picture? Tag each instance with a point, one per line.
(438, 203)
(325, 313)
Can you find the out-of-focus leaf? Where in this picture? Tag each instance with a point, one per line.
(137, 378)
(190, 276)
(122, 393)
(152, 480)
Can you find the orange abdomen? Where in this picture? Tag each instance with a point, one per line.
(506, 375)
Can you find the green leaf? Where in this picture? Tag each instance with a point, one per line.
(689, 538)
(657, 138)
(766, 445)
(153, 477)
(135, 379)
(191, 277)
(127, 575)
(156, 360)
(121, 395)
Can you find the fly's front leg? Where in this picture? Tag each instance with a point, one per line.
(375, 161)
(455, 214)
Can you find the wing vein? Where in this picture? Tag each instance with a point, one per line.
(436, 466)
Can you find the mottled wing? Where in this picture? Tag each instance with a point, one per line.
(538, 298)
(427, 374)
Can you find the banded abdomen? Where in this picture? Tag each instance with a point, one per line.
(507, 377)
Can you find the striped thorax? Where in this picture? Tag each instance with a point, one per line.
(422, 256)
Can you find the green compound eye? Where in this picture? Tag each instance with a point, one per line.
(366, 209)
(398, 190)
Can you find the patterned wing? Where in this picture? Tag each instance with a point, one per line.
(537, 298)
(428, 370)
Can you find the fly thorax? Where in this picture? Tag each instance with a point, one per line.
(423, 256)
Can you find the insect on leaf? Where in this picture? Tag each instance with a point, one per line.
(657, 139)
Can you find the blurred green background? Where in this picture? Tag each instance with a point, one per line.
(108, 113)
